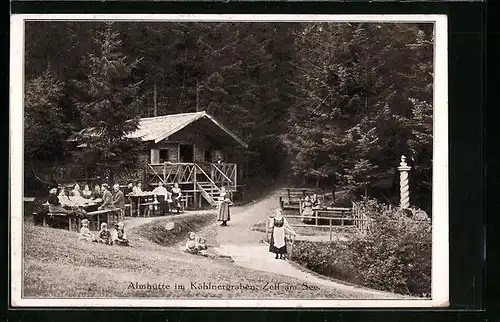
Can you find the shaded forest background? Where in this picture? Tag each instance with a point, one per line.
(322, 104)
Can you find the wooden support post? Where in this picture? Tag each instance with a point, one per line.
(44, 220)
(194, 188)
(289, 197)
(70, 223)
(316, 216)
(330, 222)
(235, 176)
(138, 206)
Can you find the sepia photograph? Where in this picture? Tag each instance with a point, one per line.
(229, 160)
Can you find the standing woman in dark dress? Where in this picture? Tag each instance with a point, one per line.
(224, 203)
(277, 243)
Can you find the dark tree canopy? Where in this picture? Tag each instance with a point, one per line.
(320, 103)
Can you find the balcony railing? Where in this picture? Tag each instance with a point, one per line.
(222, 174)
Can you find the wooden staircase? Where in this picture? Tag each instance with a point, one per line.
(209, 191)
(206, 180)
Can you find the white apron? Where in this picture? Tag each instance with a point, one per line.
(279, 237)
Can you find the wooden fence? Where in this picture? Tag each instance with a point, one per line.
(361, 220)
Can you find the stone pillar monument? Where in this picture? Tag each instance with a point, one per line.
(403, 183)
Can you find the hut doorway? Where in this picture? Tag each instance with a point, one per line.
(186, 153)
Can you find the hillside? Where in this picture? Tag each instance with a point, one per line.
(56, 264)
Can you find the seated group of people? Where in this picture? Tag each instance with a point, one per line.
(168, 199)
(310, 205)
(196, 245)
(105, 235)
(63, 202)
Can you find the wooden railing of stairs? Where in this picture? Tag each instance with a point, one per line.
(192, 173)
(208, 189)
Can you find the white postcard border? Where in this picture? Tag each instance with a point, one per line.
(440, 241)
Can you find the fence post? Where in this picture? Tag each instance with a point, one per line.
(330, 222)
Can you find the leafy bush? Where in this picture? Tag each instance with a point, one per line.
(344, 199)
(394, 255)
(331, 259)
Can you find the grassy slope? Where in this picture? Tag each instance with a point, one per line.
(56, 264)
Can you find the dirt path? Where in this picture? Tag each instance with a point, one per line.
(246, 249)
(239, 230)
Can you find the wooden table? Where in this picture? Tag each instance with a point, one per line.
(144, 199)
(72, 219)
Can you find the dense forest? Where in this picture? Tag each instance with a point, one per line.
(324, 104)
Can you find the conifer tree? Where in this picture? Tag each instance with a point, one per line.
(44, 129)
(110, 106)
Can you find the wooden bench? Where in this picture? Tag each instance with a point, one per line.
(146, 212)
(327, 213)
(71, 218)
(291, 197)
(113, 216)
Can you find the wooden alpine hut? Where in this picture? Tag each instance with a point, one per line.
(193, 150)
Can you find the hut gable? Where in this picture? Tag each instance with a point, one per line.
(159, 128)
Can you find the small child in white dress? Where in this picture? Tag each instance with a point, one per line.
(191, 244)
(85, 233)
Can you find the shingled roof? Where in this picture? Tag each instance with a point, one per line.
(159, 128)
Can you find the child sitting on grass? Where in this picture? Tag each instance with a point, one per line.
(202, 246)
(105, 235)
(191, 244)
(85, 233)
(120, 238)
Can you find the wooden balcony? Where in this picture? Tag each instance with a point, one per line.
(219, 174)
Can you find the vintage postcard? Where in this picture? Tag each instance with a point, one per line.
(228, 161)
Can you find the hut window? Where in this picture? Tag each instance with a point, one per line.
(164, 155)
(154, 156)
